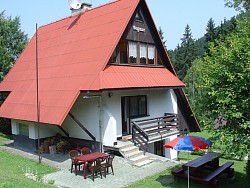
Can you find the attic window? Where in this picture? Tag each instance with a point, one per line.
(138, 17)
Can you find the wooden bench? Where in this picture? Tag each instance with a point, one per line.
(224, 168)
(210, 178)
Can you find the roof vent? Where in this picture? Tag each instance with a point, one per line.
(84, 7)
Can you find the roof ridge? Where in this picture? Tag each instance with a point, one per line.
(71, 16)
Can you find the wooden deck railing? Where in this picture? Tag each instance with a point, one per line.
(154, 129)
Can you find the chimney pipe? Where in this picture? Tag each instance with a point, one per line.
(84, 7)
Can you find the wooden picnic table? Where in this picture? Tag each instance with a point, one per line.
(210, 159)
(209, 163)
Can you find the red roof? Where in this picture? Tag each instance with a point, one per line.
(115, 76)
(73, 54)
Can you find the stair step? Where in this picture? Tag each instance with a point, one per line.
(142, 163)
(122, 144)
(138, 159)
(135, 154)
(128, 150)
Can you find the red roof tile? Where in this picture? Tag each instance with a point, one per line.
(133, 77)
(73, 54)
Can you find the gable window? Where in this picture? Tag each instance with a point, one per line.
(143, 53)
(123, 49)
(138, 17)
(138, 106)
(23, 129)
(132, 52)
(151, 54)
(136, 53)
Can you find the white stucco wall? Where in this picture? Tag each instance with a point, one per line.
(45, 130)
(171, 153)
(86, 110)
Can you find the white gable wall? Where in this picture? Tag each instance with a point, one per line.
(86, 110)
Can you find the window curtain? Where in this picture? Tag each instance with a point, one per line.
(143, 51)
(132, 49)
(151, 52)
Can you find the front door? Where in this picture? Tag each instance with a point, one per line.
(126, 128)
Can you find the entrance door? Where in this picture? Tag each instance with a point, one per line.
(126, 128)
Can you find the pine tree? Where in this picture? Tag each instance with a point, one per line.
(162, 37)
(186, 53)
(210, 35)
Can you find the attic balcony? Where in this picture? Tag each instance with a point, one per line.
(151, 130)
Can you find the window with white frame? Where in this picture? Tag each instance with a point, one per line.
(130, 52)
(132, 46)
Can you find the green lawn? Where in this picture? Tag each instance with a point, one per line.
(13, 169)
(165, 178)
(3, 138)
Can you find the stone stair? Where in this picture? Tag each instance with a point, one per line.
(132, 153)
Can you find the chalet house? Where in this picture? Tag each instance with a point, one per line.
(102, 74)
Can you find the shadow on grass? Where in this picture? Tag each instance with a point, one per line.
(5, 136)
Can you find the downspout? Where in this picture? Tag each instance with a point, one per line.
(100, 122)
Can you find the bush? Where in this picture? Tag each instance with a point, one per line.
(5, 126)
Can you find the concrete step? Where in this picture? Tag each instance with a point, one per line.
(129, 150)
(134, 154)
(139, 160)
(124, 144)
(142, 163)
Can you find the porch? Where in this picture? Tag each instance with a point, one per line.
(151, 130)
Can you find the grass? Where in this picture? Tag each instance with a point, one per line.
(166, 180)
(13, 169)
(4, 137)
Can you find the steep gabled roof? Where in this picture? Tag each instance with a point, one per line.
(73, 55)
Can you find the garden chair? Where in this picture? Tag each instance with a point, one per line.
(96, 167)
(85, 150)
(108, 163)
(72, 155)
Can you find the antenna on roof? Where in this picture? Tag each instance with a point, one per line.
(75, 4)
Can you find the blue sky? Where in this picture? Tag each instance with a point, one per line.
(171, 15)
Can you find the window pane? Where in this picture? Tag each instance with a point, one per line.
(142, 105)
(23, 129)
(151, 54)
(159, 61)
(132, 52)
(134, 106)
(113, 58)
(143, 53)
(138, 106)
(123, 51)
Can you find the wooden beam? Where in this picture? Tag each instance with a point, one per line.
(81, 125)
(67, 134)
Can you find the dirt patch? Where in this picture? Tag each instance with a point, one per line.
(167, 180)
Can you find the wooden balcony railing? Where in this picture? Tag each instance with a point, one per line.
(154, 129)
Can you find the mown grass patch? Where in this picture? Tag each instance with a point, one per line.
(3, 138)
(166, 180)
(13, 169)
